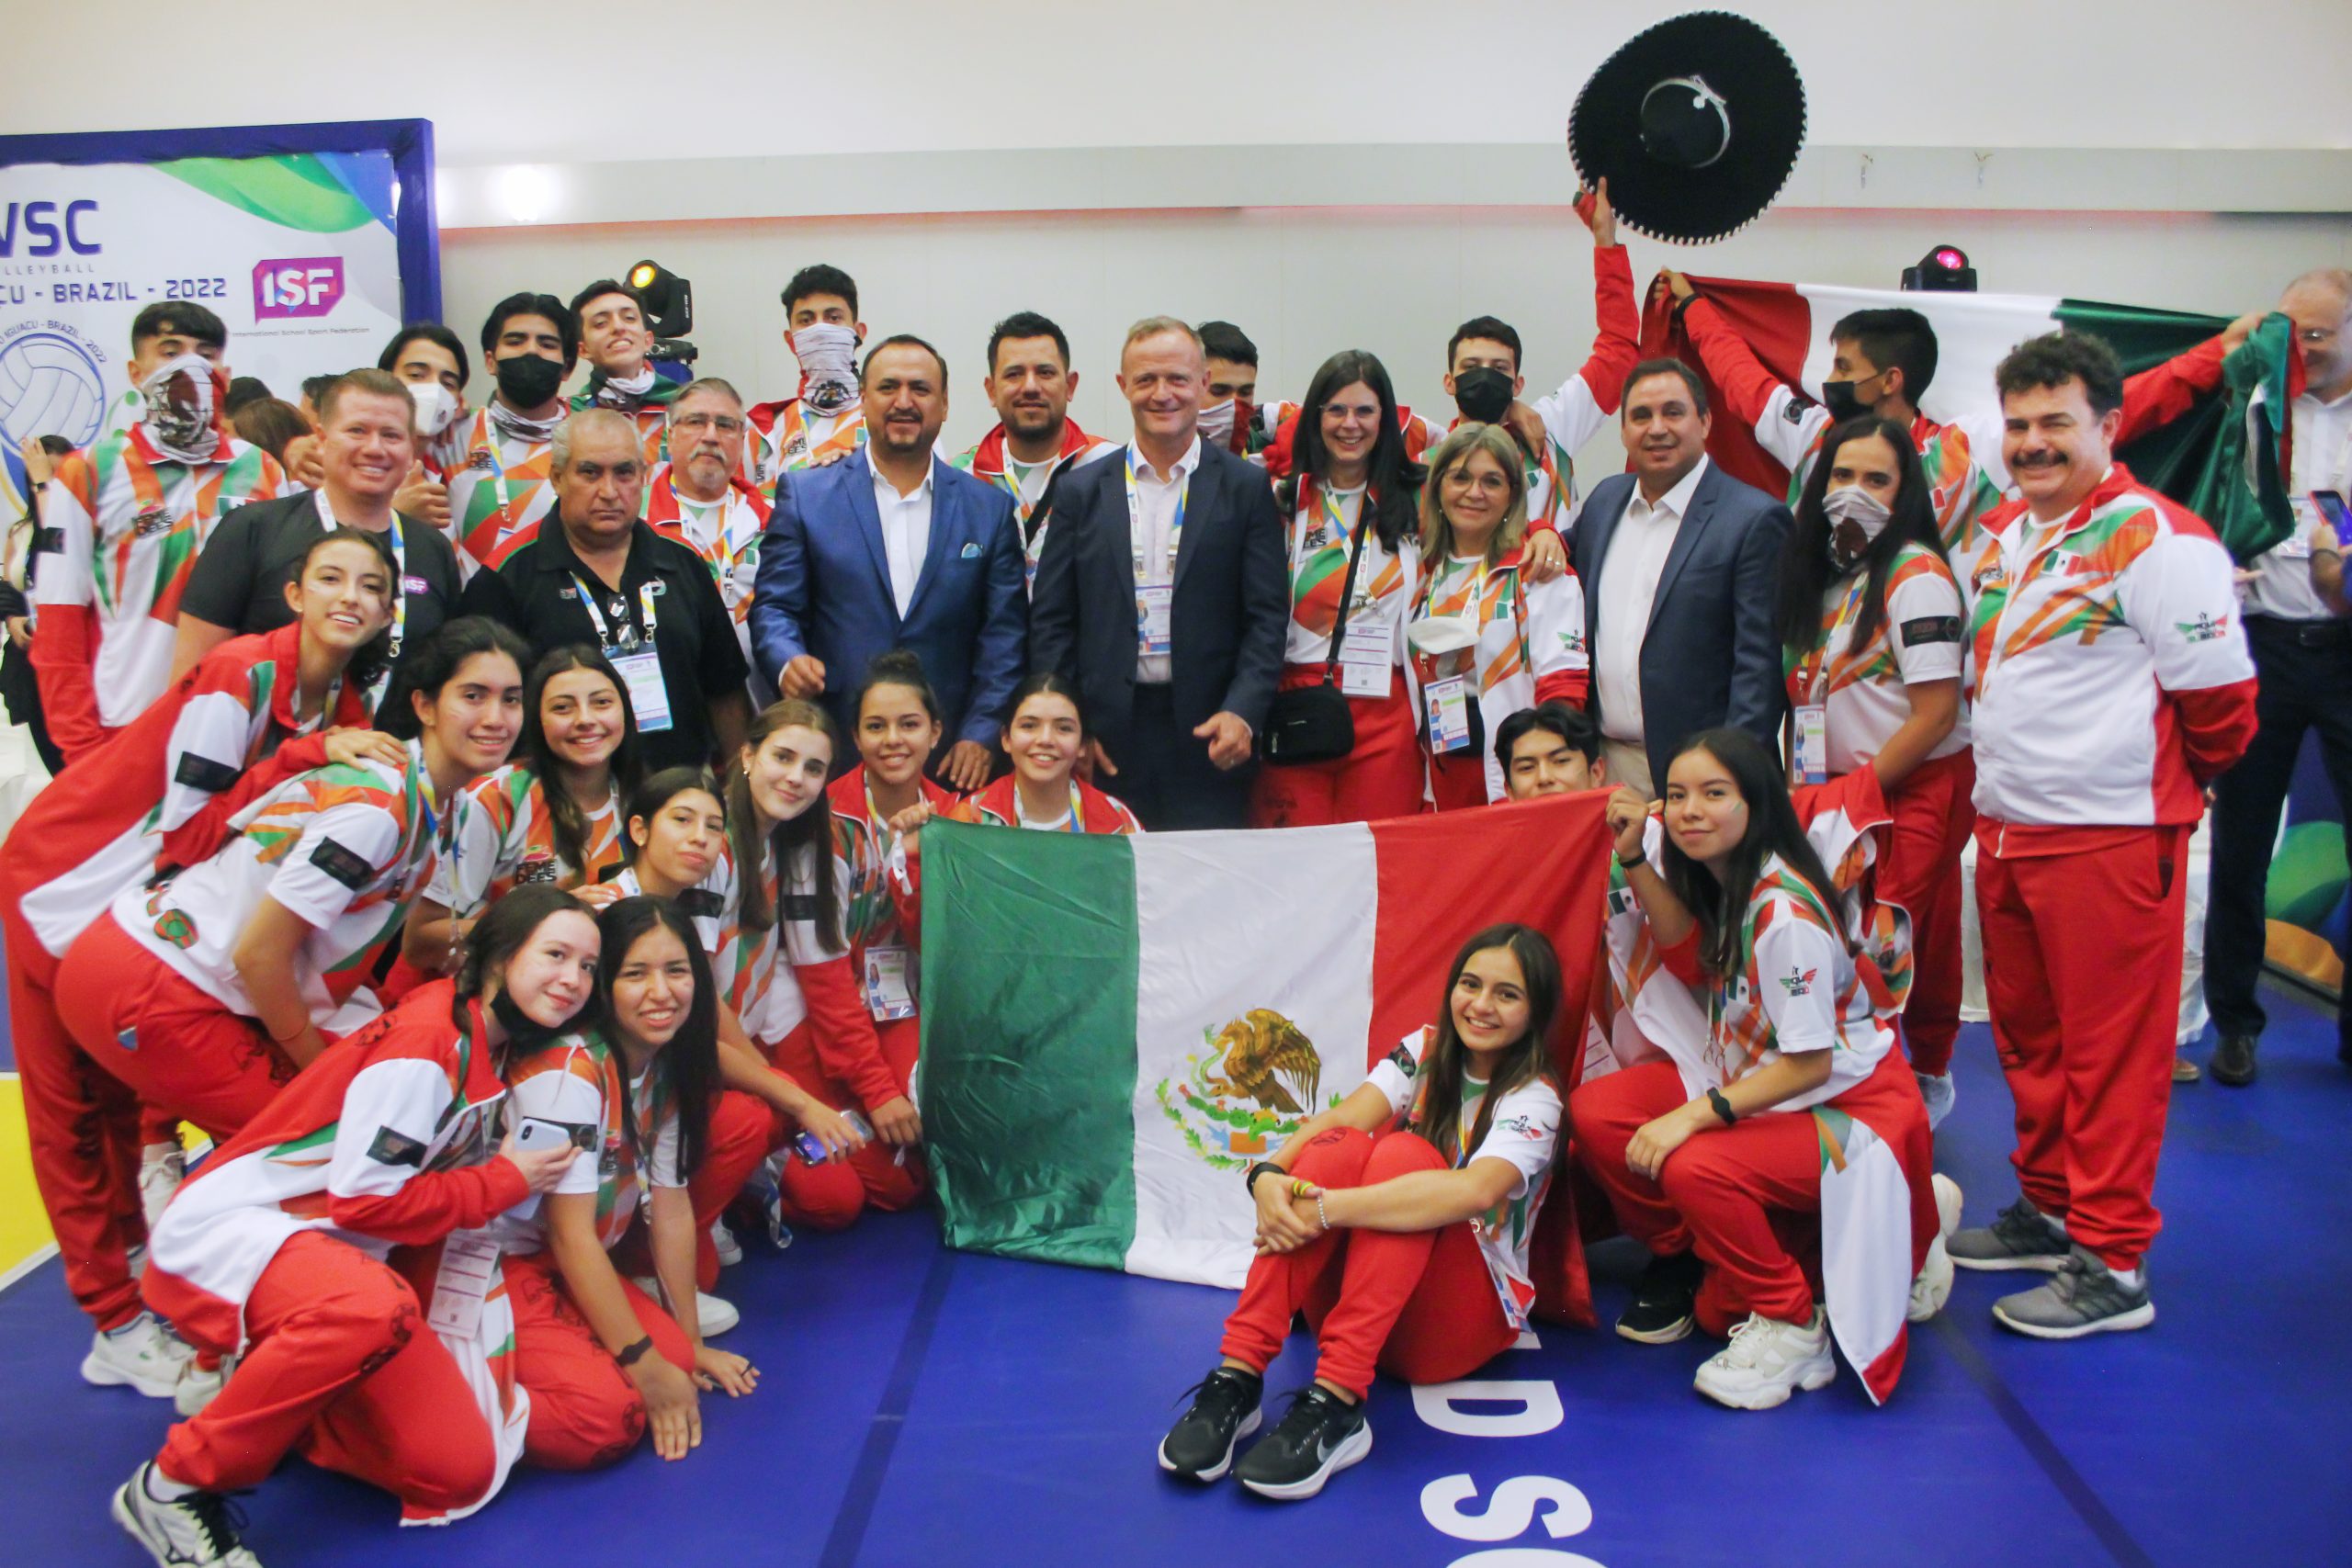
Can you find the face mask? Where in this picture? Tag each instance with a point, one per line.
(182, 399)
(1218, 423)
(1434, 634)
(1843, 399)
(436, 408)
(1483, 394)
(526, 380)
(626, 393)
(1851, 504)
(523, 1032)
(828, 355)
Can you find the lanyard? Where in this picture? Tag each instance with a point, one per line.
(1134, 517)
(399, 542)
(1074, 823)
(629, 635)
(1816, 659)
(1475, 606)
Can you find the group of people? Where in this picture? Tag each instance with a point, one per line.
(505, 846)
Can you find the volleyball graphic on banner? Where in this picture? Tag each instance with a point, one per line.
(50, 386)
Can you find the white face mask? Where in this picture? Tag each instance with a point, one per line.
(1217, 422)
(436, 408)
(1853, 503)
(828, 355)
(1434, 634)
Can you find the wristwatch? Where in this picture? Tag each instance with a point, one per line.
(1723, 1107)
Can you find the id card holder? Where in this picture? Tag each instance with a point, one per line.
(647, 697)
(1448, 709)
(469, 1265)
(2296, 545)
(1155, 605)
(1812, 743)
(1367, 654)
(889, 989)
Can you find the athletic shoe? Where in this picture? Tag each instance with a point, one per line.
(199, 1384)
(2184, 1070)
(1664, 1300)
(1932, 1289)
(2083, 1297)
(1318, 1437)
(714, 1316)
(1940, 1093)
(2233, 1060)
(731, 1251)
(162, 1168)
(2020, 1237)
(142, 1354)
(1767, 1360)
(198, 1530)
(1223, 1411)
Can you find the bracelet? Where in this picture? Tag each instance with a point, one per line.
(630, 1356)
(286, 1039)
(1321, 1218)
(1723, 1107)
(1249, 1179)
(1638, 860)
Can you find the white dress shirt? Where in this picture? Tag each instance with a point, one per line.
(1628, 589)
(1151, 536)
(906, 530)
(2322, 460)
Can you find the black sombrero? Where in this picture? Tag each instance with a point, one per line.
(1695, 124)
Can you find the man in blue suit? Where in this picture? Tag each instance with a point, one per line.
(1681, 568)
(890, 547)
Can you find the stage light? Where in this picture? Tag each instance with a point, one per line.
(1943, 269)
(668, 300)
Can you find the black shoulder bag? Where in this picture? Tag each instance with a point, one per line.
(1312, 724)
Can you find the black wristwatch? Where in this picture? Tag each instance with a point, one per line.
(630, 1356)
(1249, 1181)
(1723, 1107)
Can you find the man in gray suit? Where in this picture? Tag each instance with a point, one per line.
(1681, 565)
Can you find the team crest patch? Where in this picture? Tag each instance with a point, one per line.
(1249, 1088)
(2204, 628)
(1798, 984)
(1520, 1126)
(1793, 411)
(150, 521)
(538, 866)
(1402, 1060)
(175, 927)
(346, 866)
(481, 461)
(393, 1146)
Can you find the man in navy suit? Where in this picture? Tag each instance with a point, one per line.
(890, 547)
(1682, 567)
(1162, 593)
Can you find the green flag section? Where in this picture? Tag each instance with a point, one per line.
(1116, 1028)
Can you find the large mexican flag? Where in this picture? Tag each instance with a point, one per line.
(1114, 1027)
(2214, 454)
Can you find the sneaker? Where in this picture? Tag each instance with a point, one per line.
(1940, 1093)
(1224, 1410)
(1932, 1289)
(1318, 1437)
(765, 1192)
(142, 1354)
(714, 1316)
(162, 1168)
(1663, 1306)
(2083, 1297)
(2233, 1060)
(2184, 1070)
(731, 1251)
(2020, 1237)
(198, 1530)
(1767, 1360)
(199, 1384)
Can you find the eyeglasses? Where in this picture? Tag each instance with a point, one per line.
(726, 425)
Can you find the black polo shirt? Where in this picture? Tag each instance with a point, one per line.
(535, 590)
(239, 577)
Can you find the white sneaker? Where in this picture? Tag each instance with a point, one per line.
(194, 1532)
(1767, 1360)
(713, 1315)
(142, 1354)
(731, 1251)
(1932, 1289)
(1940, 1093)
(162, 1168)
(198, 1386)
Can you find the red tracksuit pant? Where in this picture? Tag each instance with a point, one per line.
(1745, 1198)
(742, 1132)
(83, 1127)
(339, 1361)
(830, 1197)
(2082, 971)
(180, 1050)
(585, 1412)
(1933, 818)
(1419, 1305)
(1380, 779)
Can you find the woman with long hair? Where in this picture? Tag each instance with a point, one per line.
(1484, 635)
(1045, 736)
(1700, 1156)
(279, 1243)
(599, 1355)
(551, 816)
(1350, 473)
(256, 710)
(1870, 633)
(1399, 1222)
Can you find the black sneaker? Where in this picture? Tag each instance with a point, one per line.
(1663, 1303)
(1318, 1437)
(198, 1530)
(2232, 1061)
(1224, 1410)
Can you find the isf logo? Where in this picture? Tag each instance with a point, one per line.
(302, 285)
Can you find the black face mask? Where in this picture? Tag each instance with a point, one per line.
(1842, 402)
(1483, 393)
(525, 381)
(524, 1033)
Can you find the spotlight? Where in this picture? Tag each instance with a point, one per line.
(668, 300)
(1944, 269)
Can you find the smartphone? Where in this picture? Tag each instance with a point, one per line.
(812, 1148)
(2339, 518)
(532, 1134)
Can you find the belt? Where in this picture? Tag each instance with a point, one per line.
(2302, 634)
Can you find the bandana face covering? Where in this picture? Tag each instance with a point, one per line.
(1851, 504)
(828, 355)
(1218, 422)
(182, 408)
(626, 393)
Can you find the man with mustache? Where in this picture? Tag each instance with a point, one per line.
(897, 549)
(2111, 685)
(1030, 385)
(700, 499)
(1680, 563)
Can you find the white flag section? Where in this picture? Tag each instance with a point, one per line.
(1253, 1007)
(1973, 334)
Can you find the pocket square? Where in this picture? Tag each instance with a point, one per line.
(971, 552)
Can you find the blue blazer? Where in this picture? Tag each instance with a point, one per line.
(1710, 655)
(823, 588)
